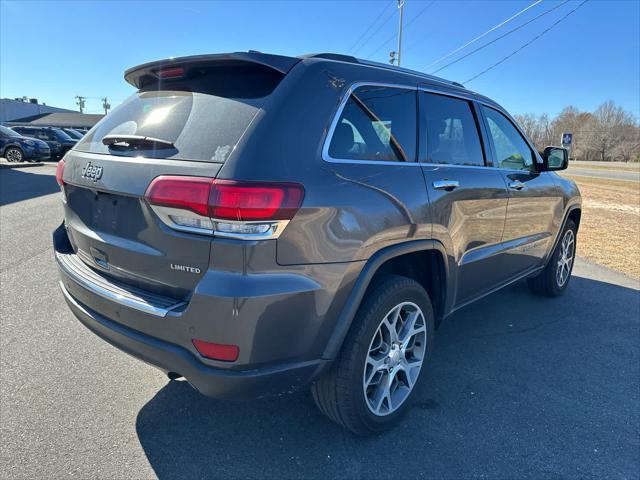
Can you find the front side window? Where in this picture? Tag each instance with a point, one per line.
(511, 149)
(452, 132)
(376, 123)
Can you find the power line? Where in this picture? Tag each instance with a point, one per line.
(413, 19)
(374, 33)
(384, 9)
(504, 22)
(500, 37)
(526, 44)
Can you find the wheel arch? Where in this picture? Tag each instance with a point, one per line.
(12, 145)
(398, 259)
(573, 212)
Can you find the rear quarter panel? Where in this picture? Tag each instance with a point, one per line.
(350, 210)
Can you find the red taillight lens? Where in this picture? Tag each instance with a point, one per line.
(217, 351)
(60, 172)
(174, 72)
(227, 199)
(186, 193)
(242, 201)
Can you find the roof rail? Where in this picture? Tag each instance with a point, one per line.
(426, 76)
(332, 56)
(350, 59)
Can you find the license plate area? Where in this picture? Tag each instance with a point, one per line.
(107, 212)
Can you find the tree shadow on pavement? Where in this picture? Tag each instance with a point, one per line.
(519, 386)
(17, 185)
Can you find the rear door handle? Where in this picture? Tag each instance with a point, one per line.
(446, 185)
(517, 185)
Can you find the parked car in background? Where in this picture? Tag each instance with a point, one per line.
(58, 141)
(335, 212)
(17, 148)
(74, 133)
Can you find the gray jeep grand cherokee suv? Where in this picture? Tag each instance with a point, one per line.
(256, 223)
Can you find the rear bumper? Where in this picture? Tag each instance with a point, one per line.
(210, 381)
(278, 353)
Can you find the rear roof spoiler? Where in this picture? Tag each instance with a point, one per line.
(138, 76)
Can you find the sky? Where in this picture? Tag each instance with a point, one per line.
(56, 50)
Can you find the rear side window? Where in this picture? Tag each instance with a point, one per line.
(202, 118)
(512, 150)
(376, 123)
(452, 131)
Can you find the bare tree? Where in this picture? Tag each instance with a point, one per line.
(609, 133)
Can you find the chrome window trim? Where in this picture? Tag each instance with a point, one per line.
(334, 122)
(518, 129)
(468, 97)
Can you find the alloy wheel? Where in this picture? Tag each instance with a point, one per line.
(563, 270)
(14, 155)
(395, 358)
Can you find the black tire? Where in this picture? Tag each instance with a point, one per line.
(13, 154)
(548, 282)
(340, 393)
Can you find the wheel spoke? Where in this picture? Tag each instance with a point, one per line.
(412, 329)
(383, 394)
(373, 367)
(407, 368)
(391, 323)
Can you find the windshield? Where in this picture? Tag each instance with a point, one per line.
(8, 132)
(203, 117)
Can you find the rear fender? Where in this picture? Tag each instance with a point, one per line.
(364, 279)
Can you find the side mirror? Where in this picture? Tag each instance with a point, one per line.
(555, 158)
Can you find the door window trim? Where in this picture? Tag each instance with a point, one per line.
(476, 102)
(478, 121)
(336, 118)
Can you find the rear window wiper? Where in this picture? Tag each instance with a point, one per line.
(133, 141)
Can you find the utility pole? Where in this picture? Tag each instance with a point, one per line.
(106, 105)
(399, 51)
(80, 102)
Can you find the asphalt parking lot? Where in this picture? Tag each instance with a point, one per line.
(519, 386)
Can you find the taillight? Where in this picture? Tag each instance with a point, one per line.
(185, 193)
(245, 201)
(225, 207)
(60, 172)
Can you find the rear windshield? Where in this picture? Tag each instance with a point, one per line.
(202, 117)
